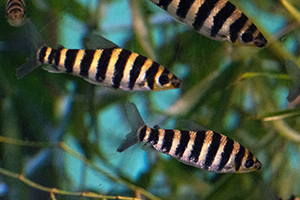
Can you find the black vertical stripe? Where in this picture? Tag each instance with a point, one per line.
(252, 28)
(198, 143)
(52, 56)
(184, 140)
(86, 62)
(16, 4)
(226, 153)
(221, 17)
(238, 157)
(142, 133)
(57, 56)
(293, 197)
(153, 137)
(183, 8)
(203, 13)
(120, 66)
(150, 74)
(42, 54)
(164, 3)
(136, 69)
(236, 27)
(212, 150)
(21, 2)
(167, 141)
(14, 10)
(70, 59)
(103, 64)
(250, 156)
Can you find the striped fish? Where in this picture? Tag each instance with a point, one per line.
(113, 66)
(293, 197)
(216, 19)
(203, 149)
(15, 12)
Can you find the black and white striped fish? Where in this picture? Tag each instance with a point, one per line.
(216, 19)
(15, 12)
(113, 66)
(203, 149)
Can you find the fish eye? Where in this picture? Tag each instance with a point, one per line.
(247, 37)
(249, 163)
(163, 79)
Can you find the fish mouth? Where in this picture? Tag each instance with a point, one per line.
(257, 165)
(176, 82)
(260, 41)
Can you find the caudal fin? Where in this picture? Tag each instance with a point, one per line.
(33, 42)
(135, 121)
(27, 67)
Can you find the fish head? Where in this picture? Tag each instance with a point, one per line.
(250, 38)
(166, 80)
(16, 18)
(249, 164)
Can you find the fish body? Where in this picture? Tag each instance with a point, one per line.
(217, 19)
(15, 12)
(114, 66)
(203, 149)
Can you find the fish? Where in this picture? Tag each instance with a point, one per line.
(216, 19)
(111, 66)
(15, 12)
(203, 149)
(293, 197)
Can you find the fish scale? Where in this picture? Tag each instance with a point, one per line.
(208, 150)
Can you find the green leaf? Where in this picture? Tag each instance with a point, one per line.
(279, 115)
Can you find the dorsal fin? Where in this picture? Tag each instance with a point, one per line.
(95, 41)
(60, 47)
(192, 126)
(156, 127)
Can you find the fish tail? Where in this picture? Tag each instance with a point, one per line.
(136, 122)
(32, 42)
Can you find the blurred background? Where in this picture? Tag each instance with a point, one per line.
(59, 131)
